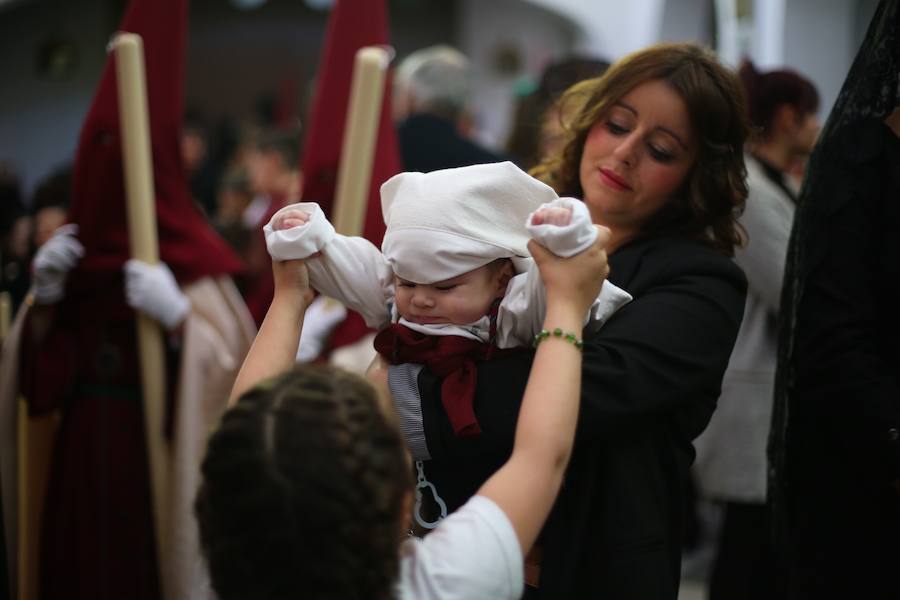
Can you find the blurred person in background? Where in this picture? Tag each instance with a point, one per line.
(50, 204)
(272, 166)
(205, 153)
(834, 449)
(731, 453)
(235, 195)
(74, 352)
(431, 93)
(538, 130)
(15, 239)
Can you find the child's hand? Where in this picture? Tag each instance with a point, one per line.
(552, 215)
(290, 219)
(575, 281)
(292, 281)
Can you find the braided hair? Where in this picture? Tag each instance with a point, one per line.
(303, 484)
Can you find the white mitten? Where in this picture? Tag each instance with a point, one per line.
(322, 316)
(565, 240)
(53, 262)
(152, 289)
(301, 241)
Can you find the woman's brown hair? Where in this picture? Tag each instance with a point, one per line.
(708, 205)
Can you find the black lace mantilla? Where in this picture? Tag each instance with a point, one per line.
(870, 91)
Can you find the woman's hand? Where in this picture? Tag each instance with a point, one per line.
(575, 280)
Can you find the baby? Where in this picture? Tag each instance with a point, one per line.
(454, 281)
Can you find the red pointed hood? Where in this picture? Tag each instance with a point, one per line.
(352, 25)
(187, 243)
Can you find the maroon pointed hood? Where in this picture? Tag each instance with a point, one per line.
(187, 243)
(353, 24)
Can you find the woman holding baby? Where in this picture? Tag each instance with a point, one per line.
(655, 152)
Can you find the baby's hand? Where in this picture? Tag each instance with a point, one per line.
(552, 215)
(290, 219)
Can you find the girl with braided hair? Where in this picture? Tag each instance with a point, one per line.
(306, 489)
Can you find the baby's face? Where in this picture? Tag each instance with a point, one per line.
(460, 300)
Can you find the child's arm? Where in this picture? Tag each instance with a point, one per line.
(349, 269)
(526, 487)
(275, 347)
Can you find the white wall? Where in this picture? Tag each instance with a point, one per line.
(767, 48)
(687, 20)
(821, 40)
(611, 28)
(40, 118)
(539, 37)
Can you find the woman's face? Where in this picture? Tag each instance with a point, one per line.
(636, 157)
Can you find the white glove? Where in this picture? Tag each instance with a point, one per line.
(152, 289)
(53, 262)
(322, 316)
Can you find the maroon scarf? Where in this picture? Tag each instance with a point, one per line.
(451, 357)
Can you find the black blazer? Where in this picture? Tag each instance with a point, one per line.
(650, 382)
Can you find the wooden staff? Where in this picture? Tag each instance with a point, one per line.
(141, 204)
(35, 451)
(358, 146)
(5, 314)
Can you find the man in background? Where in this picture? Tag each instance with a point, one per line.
(430, 105)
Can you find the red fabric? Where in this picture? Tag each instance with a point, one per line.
(97, 532)
(352, 25)
(286, 116)
(187, 243)
(257, 284)
(451, 357)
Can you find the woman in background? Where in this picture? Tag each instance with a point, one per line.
(731, 453)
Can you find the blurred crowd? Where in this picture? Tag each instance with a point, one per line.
(241, 172)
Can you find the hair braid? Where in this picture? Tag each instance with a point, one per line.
(302, 491)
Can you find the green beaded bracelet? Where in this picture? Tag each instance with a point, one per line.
(568, 336)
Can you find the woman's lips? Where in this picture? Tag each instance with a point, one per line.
(613, 180)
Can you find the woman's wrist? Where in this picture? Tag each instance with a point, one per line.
(565, 313)
(563, 323)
